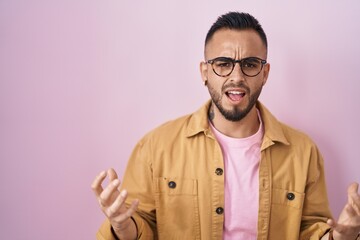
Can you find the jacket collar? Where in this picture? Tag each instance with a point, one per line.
(198, 123)
(273, 128)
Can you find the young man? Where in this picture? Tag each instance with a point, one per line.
(229, 170)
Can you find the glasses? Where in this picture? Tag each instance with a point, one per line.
(223, 66)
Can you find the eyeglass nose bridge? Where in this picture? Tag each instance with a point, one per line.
(234, 62)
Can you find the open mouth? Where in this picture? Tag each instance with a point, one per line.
(235, 95)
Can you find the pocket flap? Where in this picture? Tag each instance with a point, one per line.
(287, 197)
(175, 186)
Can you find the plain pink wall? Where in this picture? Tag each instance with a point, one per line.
(82, 81)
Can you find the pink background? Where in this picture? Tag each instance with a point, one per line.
(82, 81)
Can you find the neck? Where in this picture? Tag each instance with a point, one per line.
(243, 128)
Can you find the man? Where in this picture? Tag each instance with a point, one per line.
(229, 170)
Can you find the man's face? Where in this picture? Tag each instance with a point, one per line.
(234, 95)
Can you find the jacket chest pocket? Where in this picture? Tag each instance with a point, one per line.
(177, 209)
(286, 213)
(288, 198)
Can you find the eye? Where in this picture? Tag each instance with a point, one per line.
(223, 64)
(250, 63)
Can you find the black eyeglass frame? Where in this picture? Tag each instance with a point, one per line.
(233, 61)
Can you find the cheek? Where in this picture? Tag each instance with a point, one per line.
(260, 79)
(215, 83)
(256, 85)
(263, 78)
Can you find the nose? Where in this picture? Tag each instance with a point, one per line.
(237, 74)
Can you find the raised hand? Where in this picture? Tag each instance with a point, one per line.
(348, 225)
(112, 203)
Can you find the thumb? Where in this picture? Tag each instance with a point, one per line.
(340, 228)
(331, 222)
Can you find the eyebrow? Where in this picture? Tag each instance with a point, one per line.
(252, 58)
(224, 58)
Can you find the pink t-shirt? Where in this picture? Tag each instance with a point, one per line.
(241, 161)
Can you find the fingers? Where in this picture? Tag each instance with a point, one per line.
(354, 198)
(118, 213)
(106, 196)
(112, 174)
(337, 227)
(125, 213)
(348, 224)
(111, 200)
(118, 210)
(353, 188)
(131, 210)
(115, 207)
(350, 211)
(96, 185)
(109, 193)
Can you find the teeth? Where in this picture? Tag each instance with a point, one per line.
(236, 92)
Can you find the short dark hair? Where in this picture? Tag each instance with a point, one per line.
(237, 21)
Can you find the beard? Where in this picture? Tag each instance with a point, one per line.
(235, 114)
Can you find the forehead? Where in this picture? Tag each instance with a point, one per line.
(236, 44)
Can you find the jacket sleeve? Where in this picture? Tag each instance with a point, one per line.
(104, 232)
(138, 181)
(316, 206)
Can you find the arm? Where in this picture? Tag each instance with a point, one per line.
(316, 209)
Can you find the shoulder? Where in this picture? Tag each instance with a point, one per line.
(296, 136)
(168, 130)
(277, 131)
(181, 127)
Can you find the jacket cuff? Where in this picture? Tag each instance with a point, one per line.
(105, 232)
(144, 231)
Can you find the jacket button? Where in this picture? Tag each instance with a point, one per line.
(172, 184)
(219, 171)
(290, 196)
(219, 210)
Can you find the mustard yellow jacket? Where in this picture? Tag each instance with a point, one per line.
(176, 171)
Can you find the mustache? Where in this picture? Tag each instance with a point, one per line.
(235, 85)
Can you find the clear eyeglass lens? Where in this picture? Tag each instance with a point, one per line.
(251, 66)
(223, 67)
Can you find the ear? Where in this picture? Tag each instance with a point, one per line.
(266, 73)
(204, 71)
